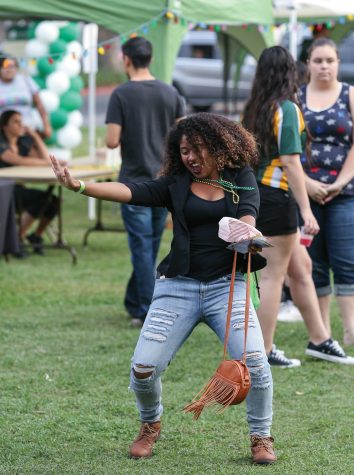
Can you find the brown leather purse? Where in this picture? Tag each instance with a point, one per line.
(231, 381)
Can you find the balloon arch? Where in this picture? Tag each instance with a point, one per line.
(54, 64)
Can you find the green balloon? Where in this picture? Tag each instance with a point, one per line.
(76, 83)
(57, 48)
(46, 66)
(52, 140)
(70, 101)
(69, 32)
(40, 81)
(58, 118)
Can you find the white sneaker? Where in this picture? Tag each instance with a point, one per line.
(288, 312)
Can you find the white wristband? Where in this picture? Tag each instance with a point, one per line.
(82, 187)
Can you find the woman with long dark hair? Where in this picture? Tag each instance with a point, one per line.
(23, 146)
(273, 115)
(206, 177)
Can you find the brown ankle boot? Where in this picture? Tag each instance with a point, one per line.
(262, 450)
(143, 444)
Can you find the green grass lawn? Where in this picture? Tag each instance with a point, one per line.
(65, 352)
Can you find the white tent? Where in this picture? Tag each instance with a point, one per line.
(306, 9)
(294, 11)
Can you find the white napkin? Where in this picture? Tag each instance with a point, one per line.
(234, 230)
(240, 235)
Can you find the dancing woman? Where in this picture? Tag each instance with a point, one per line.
(206, 176)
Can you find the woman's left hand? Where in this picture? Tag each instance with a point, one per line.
(29, 131)
(253, 249)
(333, 190)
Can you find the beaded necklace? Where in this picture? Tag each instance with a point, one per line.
(224, 185)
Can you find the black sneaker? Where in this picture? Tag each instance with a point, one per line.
(36, 243)
(277, 358)
(329, 350)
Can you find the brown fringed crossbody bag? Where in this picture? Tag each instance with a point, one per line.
(231, 381)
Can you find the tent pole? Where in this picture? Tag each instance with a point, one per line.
(293, 32)
(226, 73)
(92, 114)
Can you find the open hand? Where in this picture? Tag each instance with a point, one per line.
(63, 175)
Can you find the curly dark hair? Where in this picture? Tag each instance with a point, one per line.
(274, 82)
(227, 141)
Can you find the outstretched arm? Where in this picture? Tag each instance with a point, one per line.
(104, 191)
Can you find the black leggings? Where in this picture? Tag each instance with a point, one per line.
(37, 203)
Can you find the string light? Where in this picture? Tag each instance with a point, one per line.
(169, 15)
(175, 17)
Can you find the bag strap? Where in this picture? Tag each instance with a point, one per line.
(247, 306)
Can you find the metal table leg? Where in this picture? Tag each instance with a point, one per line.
(99, 226)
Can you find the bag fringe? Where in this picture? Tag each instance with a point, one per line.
(216, 391)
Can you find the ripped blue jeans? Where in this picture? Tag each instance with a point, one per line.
(178, 305)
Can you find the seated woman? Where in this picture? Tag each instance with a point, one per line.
(23, 146)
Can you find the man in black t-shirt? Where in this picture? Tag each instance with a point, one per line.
(139, 116)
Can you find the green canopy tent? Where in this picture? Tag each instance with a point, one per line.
(148, 18)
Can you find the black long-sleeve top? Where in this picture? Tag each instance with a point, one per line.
(172, 192)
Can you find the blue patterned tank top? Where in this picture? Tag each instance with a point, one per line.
(332, 137)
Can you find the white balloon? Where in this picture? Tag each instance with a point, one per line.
(74, 47)
(69, 136)
(70, 66)
(58, 82)
(36, 120)
(36, 49)
(75, 118)
(47, 32)
(49, 99)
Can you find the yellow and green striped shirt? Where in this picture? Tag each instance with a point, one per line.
(290, 135)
